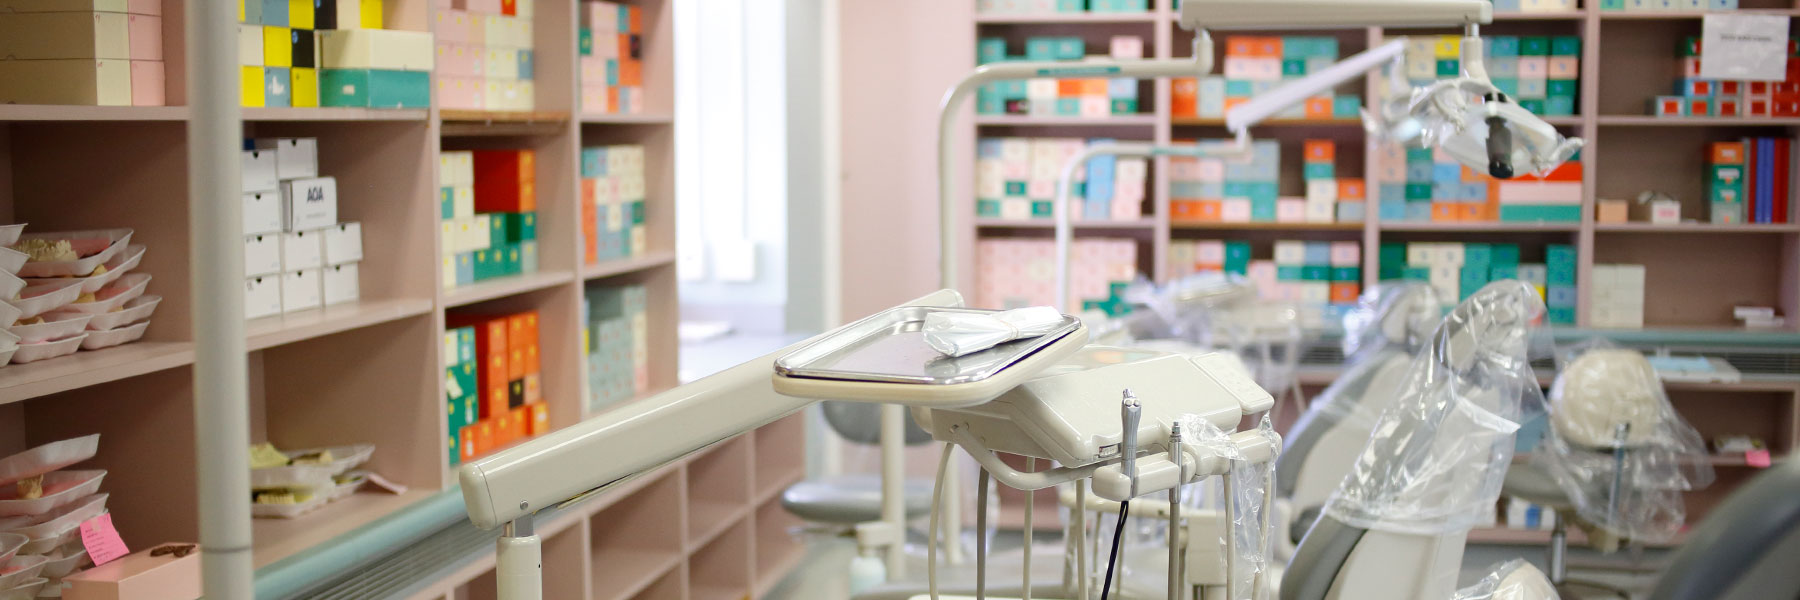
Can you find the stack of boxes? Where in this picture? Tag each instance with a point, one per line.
(297, 256)
(1726, 180)
(611, 46)
(1311, 274)
(1088, 97)
(1229, 190)
(1256, 64)
(330, 53)
(1697, 97)
(1618, 297)
(488, 211)
(612, 203)
(1016, 273)
(485, 56)
(1668, 5)
(1039, 7)
(1457, 270)
(1329, 198)
(1426, 184)
(617, 344)
(1749, 181)
(106, 52)
(1187, 257)
(1540, 73)
(1016, 178)
(1534, 6)
(493, 383)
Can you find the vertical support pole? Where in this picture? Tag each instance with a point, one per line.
(893, 481)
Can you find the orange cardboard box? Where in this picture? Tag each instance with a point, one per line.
(1231, 103)
(1467, 211)
(1443, 212)
(1726, 153)
(1092, 86)
(540, 419)
(1184, 96)
(1351, 189)
(1318, 108)
(468, 441)
(1210, 210)
(1343, 293)
(521, 423)
(1320, 150)
(1068, 88)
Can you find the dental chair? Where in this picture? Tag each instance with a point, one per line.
(1381, 337)
(1396, 527)
(1745, 549)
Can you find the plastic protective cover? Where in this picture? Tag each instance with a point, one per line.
(1616, 445)
(1445, 113)
(1247, 502)
(1219, 311)
(1391, 314)
(1437, 457)
(960, 334)
(1511, 580)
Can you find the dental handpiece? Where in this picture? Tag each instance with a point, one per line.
(1130, 411)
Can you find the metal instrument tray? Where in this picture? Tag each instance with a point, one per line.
(889, 347)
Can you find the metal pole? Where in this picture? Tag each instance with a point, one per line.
(216, 263)
(893, 482)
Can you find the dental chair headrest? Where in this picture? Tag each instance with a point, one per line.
(1602, 389)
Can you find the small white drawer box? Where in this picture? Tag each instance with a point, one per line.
(309, 203)
(262, 296)
(295, 158)
(262, 255)
(341, 284)
(302, 250)
(258, 171)
(343, 243)
(301, 290)
(262, 212)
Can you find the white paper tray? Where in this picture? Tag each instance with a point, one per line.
(345, 490)
(52, 530)
(10, 285)
(61, 564)
(117, 240)
(8, 341)
(60, 489)
(97, 340)
(12, 260)
(121, 264)
(9, 313)
(57, 325)
(10, 543)
(48, 457)
(47, 350)
(321, 494)
(24, 591)
(35, 300)
(21, 568)
(346, 458)
(9, 234)
(137, 309)
(114, 295)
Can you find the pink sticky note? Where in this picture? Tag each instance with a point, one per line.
(1757, 458)
(102, 540)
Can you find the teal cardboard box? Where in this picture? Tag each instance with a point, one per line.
(374, 88)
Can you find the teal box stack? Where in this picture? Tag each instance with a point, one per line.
(1559, 283)
(461, 391)
(617, 344)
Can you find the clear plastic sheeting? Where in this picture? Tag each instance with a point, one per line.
(1436, 459)
(1213, 311)
(1450, 114)
(961, 334)
(1391, 314)
(1616, 445)
(1511, 580)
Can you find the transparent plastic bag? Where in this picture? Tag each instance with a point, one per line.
(1450, 114)
(1437, 457)
(1511, 580)
(1389, 314)
(961, 334)
(1616, 445)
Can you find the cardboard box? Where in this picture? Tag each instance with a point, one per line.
(262, 254)
(262, 296)
(139, 576)
(1613, 211)
(250, 45)
(301, 290)
(103, 82)
(262, 212)
(341, 284)
(302, 250)
(505, 181)
(343, 243)
(251, 79)
(257, 171)
(376, 49)
(295, 158)
(374, 88)
(148, 84)
(63, 35)
(136, 7)
(309, 203)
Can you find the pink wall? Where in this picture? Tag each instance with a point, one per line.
(897, 60)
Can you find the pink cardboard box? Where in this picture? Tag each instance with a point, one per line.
(452, 26)
(459, 60)
(144, 37)
(140, 576)
(147, 83)
(465, 93)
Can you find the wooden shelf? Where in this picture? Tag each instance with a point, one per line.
(1654, 121)
(707, 520)
(1533, 537)
(506, 286)
(1616, 15)
(637, 119)
(334, 114)
(621, 574)
(1496, 226)
(650, 260)
(716, 592)
(50, 112)
(1574, 15)
(503, 116)
(478, 123)
(1059, 17)
(293, 327)
(86, 368)
(1710, 228)
(275, 539)
(1262, 226)
(1050, 224)
(1212, 122)
(1139, 120)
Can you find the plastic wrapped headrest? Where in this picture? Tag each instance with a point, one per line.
(1602, 390)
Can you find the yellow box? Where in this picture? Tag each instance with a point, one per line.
(1447, 46)
(300, 14)
(305, 84)
(278, 47)
(251, 79)
(371, 14)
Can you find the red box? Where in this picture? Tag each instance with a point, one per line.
(1345, 293)
(491, 353)
(1566, 172)
(505, 181)
(540, 419)
(1319, 151)
(509, 7)
(1351, 189)
(1781, 108)
(1726, 107)
(1731, 87)
(1757, 107)
(1725, 153)
(1667, 107)
(1759, 88)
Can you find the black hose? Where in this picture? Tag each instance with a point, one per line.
(1113, 559)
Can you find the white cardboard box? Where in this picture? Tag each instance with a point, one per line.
(377, 49)
(449, 241)
(262, 212)
(301, 290)
(309, 203)
(259, 171)
(262, 255)
(480, 233)
(341, 284)
(295, 158)
(343, 243)
(262, 296)
(302, 250)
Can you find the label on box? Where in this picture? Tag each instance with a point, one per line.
(309, 203)
(1744, 46)
(102, 540)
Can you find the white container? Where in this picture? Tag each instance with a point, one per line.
(24, 591)
(119, 265)
(114, 296)
(116, 240)
(35, 300)
(348, 488)
(344, 458)
(289, 511)
(10, 543)
(12, 260)
(47, 458)
(8, 341)
(343, 243)
(21, 568)
(58, 522)
(28, 353)
(56, 325)
(138, 309)
(60, 489)
(64, 562)
(97, 340)
(10, 233)
(10, 285)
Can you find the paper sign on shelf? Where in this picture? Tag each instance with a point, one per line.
(382, 482)
(1757, 458)
(1741, 46)
(102, 540)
